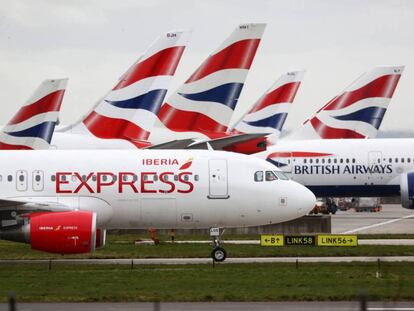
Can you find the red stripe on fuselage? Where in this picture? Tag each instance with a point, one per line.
(238, 55)
(51, 102)
(163, 63)
(4, 146)
(110, 128)
(298, 154)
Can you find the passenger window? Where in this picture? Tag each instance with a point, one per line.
(155, 177)
(408, 160)
(396, 160)
(196, 177)
(353, 161)
(310, 161)
(94, 177)
(270, 176)
(176, 177)
(115, 178)
(323, 161)
(316, 160)
(104, 178)
(83, 177)
(335, 160)
(124, 177)
(52, 178)
(402, 160)
(74, 178)
(390, 160)
(281, 175)
(304, 161)
(135, 178)
(341, 160)
(258, 176)
(21, 177)
(1, 178)
(347, 160)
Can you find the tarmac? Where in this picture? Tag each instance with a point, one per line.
(217, 306)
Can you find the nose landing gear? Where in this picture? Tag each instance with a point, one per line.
(218, 253)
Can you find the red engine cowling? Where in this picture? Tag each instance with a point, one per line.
(249, 147)
(63, 232)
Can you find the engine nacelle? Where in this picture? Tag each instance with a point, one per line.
(407, 190)
(100, 238)
(58, 232)
(249, 147)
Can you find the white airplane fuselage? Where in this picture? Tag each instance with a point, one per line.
(154, 188)
(346, 167)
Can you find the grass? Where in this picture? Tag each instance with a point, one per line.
(232, 282)
(121, 246)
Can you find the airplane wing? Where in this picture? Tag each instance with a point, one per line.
(31, 205)
(241, 143)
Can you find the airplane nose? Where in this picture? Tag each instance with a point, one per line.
(304, 200)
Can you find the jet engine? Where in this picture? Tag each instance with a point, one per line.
(72, 232)
(407, 190)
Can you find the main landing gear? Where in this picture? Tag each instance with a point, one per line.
(218, 253)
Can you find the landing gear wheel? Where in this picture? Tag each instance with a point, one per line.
(218, 254)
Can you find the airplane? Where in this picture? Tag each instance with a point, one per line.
(33, 125)
(203, 106)
(124, 117)
(63, 201)
(355, 113)
(349, 167)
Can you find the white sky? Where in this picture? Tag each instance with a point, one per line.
(93, 42)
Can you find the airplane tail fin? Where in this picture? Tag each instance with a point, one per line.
(129, 110)
(269, 113)
(206, 101)
(33, 125)
(358, 111)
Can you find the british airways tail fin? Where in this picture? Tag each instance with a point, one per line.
(33, 125)
(358, 111)
(129, 110)
(269, 113)
(206, 101)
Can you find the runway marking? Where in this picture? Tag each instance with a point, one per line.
(378, 224)
(184, 261)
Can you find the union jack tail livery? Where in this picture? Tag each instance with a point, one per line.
(205, 103)
(129, 110)
(33, 125)
(358, 111)
(269, 113)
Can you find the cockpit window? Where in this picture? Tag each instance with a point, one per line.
(258, 176)
(281, 175)
(270, 176)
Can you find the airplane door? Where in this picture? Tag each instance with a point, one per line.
(21, 180)
(37, 180)
(218, 183)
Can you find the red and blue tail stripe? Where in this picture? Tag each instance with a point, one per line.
(129, 110)
(269, 113)
(33, 125)
(358, 111)
(205, 103)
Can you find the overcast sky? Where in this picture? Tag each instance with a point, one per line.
(93, 42)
